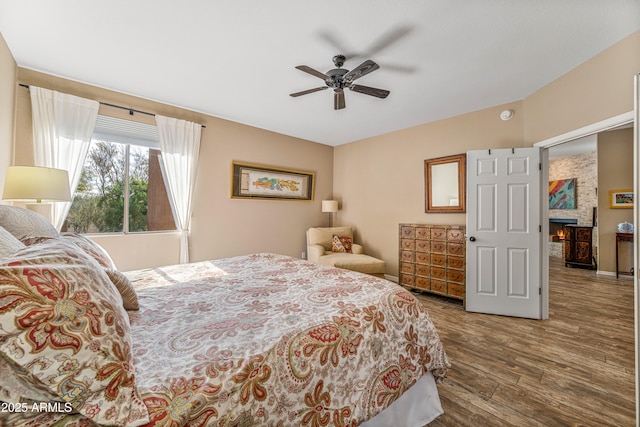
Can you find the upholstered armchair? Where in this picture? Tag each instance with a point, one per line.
(334, 246)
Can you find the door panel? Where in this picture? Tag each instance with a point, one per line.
(503, 225)
(488, 280)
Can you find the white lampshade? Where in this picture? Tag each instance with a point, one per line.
(29, 183)
(330, 206)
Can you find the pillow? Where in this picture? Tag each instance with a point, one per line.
(8, 243)
(323, 235)
(64, 330)
(23, 223)
(341, 244)
(91, 248)
(124, 286)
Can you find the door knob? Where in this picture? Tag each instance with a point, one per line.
(472, 239)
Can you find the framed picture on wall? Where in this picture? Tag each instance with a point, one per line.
(562, 194)
(262, 182)
(621, 199)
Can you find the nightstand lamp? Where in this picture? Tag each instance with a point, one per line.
(33, 183)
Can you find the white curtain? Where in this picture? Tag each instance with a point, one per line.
(62, 129)
(180, 145)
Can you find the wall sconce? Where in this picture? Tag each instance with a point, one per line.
(330, 206)
(33, 183)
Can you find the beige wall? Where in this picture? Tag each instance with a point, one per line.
(380, 181)
(221, 226)
(8, 71)
(615, 172)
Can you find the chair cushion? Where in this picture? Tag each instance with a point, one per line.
(355, 262)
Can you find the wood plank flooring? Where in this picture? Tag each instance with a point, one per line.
(575, 369)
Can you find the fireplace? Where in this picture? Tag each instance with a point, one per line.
(556, 227)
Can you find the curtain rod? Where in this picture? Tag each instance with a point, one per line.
(130, 110)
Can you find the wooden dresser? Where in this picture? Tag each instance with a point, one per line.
(432, 259)
(578, 249)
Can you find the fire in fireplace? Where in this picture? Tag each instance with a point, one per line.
(556, 227)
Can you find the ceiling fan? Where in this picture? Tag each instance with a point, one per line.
(339, 79)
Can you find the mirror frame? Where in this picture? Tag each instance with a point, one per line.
(461, 160)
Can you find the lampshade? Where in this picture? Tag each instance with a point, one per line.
(330, 206)
(29, 183)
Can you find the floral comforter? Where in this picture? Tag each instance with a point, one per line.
(271, 340)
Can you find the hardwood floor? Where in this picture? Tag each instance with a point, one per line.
(575, 369)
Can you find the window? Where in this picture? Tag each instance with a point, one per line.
(121, 189)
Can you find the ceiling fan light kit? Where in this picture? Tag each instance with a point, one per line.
(338, 79)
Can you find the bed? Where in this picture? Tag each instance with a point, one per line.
(261, 339)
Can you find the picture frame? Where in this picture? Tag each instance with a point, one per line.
(445, 184)
(251, 181)
(621, 199)
(562, 193)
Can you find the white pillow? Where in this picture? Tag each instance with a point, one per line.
(23, 223)
(9, 245)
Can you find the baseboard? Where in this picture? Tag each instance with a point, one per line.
(606, 273)
(391, 278)
(613, 273)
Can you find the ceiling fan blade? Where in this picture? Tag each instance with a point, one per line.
(391, 37)
(313, 72)
(338, 99)
(362, 70)
(304, 92)
(379, 93)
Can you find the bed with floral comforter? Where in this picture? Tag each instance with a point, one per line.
(253, 340)
(271, 340)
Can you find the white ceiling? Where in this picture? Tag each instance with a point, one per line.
(236, 59)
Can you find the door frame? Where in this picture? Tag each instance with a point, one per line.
(631, 117)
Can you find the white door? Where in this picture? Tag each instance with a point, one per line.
(504, 232)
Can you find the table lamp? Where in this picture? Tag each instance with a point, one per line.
(33, 183)
(330, 206)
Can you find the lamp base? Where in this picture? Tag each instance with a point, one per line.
(43, 209)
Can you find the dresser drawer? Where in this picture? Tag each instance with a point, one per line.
(423, 283)
(454, 248)
(439, 286)
(456, 276)
(456, 262)
(438, 247)
(407, 280)
(423, 233)
(408, 267)
(423, 258)
(407, 232)
(439, 260)
(456, 290)
(422, 270)
(408, 245)
(438, 273)
(408, 256)
(438, 233)
(423, 245)
(455, 234)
